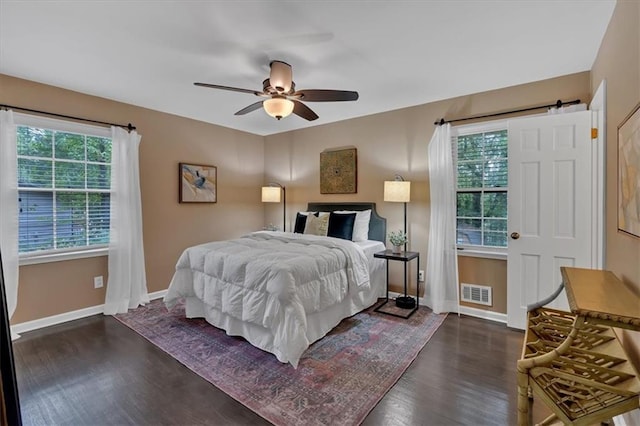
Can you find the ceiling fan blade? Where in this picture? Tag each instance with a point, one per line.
(250, 108)
(233, 89)
(303, 111)
(315, 95)
(281, 76)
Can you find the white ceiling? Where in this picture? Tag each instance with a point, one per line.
(394, 53)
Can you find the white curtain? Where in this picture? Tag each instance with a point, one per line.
(9, 208)
(442, 258)
(127, 285)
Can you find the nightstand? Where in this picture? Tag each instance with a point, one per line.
(406, 301)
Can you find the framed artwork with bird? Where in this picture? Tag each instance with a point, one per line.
(198, 183)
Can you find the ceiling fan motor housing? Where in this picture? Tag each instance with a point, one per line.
(268, 88)
(281, 76)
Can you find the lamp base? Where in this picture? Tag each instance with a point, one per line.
(405, 302)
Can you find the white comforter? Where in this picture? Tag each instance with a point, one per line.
(271, 279)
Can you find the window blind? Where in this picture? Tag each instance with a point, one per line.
(64, 189)
(482, 180)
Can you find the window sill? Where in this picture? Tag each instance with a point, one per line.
(485, 254)
(59, 257)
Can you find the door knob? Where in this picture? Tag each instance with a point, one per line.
(515, 235)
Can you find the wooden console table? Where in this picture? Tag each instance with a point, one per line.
(573, 361)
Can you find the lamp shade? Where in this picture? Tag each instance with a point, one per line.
(270, 194)
(278, 107)
(397, 191)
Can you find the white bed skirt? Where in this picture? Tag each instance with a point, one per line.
(318, 323)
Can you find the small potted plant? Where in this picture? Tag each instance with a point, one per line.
(397, 239)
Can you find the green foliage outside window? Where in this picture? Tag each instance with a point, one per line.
(64, 183)
(482, 189)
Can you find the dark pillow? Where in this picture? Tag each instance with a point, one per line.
(301, 221)
(341, 225)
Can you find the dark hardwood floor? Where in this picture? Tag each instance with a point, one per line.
(96, 371)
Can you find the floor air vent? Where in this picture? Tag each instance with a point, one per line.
(476, 294)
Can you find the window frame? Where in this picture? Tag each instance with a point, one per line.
(56, 255)
(473, 250)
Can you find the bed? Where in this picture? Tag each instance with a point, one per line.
(282, 291)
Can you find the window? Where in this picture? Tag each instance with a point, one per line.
(480, 153)
(64, 178)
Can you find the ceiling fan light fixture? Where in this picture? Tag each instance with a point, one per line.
(278, 107)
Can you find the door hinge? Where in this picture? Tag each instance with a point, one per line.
(594, 133)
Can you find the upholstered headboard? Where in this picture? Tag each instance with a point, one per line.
(377, 224)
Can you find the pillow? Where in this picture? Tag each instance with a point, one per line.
(361, 227)
(301, 221)
(317, 225)
(341, 225)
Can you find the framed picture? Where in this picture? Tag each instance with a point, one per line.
(629, 174)
(339, 171)
(198, 183)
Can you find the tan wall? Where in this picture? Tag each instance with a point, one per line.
(394, 142)
(388, 143)
(54, 288)
(487, 272)
(618, 62)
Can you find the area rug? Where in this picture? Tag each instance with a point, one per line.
(339, 379)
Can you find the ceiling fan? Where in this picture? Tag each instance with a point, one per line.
(281, 96)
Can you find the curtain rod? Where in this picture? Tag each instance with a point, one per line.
(558, 104)
(128, 127)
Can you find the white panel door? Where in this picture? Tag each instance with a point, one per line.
(550, 207)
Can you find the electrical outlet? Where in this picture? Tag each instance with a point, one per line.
(421, 275)
(97, 282)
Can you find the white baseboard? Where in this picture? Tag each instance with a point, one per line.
(157, 294)
(481, 313)
(69, 316)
